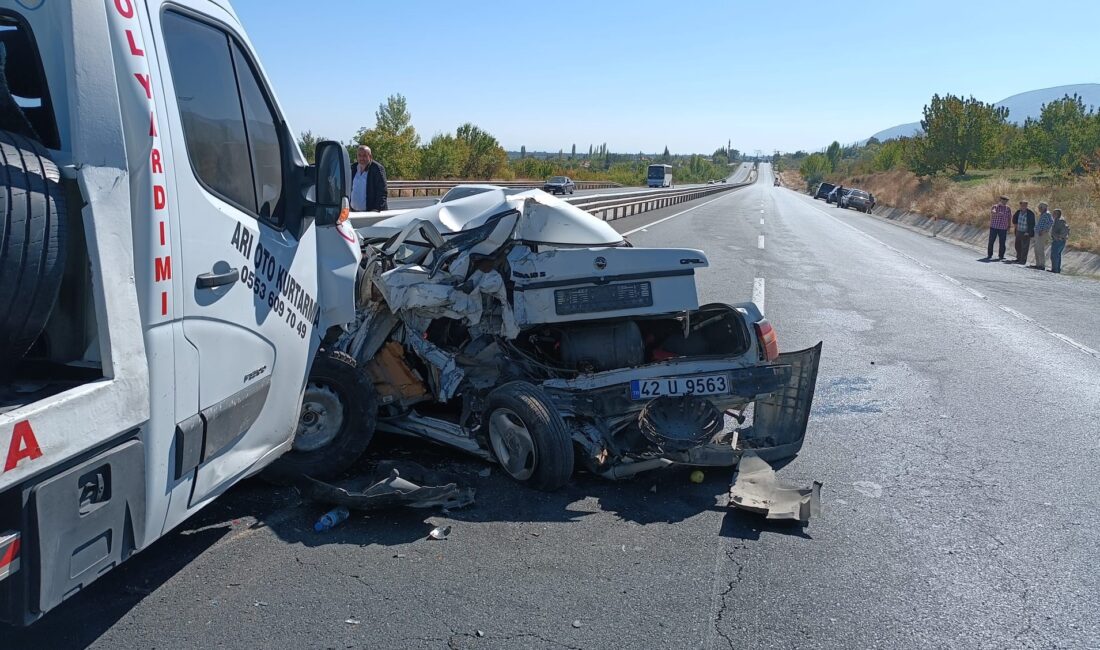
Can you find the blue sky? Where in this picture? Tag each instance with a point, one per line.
(641, 75)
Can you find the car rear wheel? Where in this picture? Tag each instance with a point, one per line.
(528, 437)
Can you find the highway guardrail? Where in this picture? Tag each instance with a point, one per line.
(436, 188)
(618, 206)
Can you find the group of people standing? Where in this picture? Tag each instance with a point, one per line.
(1048, 229)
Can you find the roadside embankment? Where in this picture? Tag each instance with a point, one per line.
(959, 212)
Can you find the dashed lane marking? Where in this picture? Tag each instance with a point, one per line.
(760, 241)
(758, 293)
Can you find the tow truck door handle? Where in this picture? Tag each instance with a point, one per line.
(211, 280)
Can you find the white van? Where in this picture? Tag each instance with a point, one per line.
(169, 265)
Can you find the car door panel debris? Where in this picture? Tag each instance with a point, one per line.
(756, 489)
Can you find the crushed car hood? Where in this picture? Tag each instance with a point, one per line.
(544, 219)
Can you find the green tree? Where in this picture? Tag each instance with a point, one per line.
(1064, 135)
(393, 140)
(958, 133)
(814, 168)
(485, 158)
(666, 157)
(832, 155)
(522, 152)
(308, 144)
(890, 155)
(573, 152)
(589, 152)
(442, 157)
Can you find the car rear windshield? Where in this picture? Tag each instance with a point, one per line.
(461, 193)
(860, 193)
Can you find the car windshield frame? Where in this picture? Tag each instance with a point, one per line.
(465, 192)
(558, 179)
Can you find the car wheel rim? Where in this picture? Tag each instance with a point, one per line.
(321, 419)
(512, 444)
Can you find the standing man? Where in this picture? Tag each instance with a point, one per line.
(999, 217)
(1042, 236)
(1024, 220)
(1059, 233)
(368, 183)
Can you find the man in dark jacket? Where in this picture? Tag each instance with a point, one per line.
(1024, 222)
(368, 183)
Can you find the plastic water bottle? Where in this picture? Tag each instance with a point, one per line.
(331, 519)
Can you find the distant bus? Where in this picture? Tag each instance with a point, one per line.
(659, 176)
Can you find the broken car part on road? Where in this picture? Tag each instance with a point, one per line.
(520, 329)
(756, 489)
(391, 484)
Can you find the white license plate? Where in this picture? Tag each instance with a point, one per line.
(690, 385)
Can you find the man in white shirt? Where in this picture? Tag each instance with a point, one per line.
(359, 179)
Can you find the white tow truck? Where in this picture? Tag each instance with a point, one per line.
(169, 266)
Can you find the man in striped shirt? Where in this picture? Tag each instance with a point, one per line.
(1042, 237)
(999, 218)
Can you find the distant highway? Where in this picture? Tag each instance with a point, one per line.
(739, 174)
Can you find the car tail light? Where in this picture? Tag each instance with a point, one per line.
(765, 333)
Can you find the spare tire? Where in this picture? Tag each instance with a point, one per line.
(32, 243)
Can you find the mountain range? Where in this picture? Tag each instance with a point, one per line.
(1020, 107)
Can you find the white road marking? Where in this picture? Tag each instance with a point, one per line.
(760, 241)
(758, 293)
(673, 216)
(1005, 308)
(761, 221)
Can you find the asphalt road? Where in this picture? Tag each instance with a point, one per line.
(955, 434)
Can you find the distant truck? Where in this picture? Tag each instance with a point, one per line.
(168, 270)
(659, 176)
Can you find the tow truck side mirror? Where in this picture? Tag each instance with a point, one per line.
(330, 196)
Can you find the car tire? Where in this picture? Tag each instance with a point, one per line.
(337, 420)
(32, 244)
(528, 437)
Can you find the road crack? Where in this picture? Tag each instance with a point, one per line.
(731, 584)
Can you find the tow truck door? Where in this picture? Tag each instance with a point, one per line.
(249, 268)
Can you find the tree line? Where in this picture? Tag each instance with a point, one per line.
(472, 153)
(962, 134)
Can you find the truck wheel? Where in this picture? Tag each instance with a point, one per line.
(32, 243)
(336, 422)
(528, 436)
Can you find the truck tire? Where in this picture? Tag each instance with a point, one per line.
(528, 437)
(32, 243)
(336, 422)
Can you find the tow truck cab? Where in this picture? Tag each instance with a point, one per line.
(204, 260)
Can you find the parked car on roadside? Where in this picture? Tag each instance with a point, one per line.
(775, 181)
(836, 194)
(559, 185)
(823, 189)
(858, 200)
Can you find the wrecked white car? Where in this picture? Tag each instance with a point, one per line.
(518, 328)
